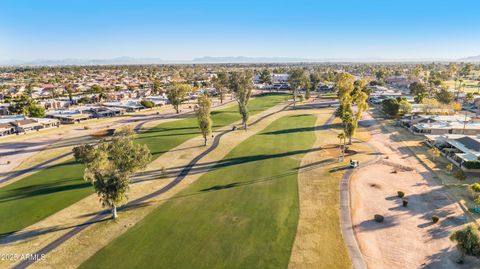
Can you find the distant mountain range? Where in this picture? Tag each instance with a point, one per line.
(73, 61)
(125, 60)
(471, 59)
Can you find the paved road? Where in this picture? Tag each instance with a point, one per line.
(345, 212)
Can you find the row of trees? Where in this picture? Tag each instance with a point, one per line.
(110, 164)
(351, 93)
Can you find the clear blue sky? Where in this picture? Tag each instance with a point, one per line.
(186, 29)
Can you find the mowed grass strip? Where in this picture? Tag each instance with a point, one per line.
(40, 195)
(241, 214)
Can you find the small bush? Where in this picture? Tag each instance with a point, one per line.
(378, 218)
(475, 187)
(400, 194)
(147, 104)
(86, 127)
(404, 202)
(435, 218)
(460, 175)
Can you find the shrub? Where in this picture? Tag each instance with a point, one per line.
(475, 187)
(400, 194)
(404, 202)
(390, 107)
(471, 164)
(449, 168)
(378, 218)
(460, 175)
(435, 218)
(147, 104)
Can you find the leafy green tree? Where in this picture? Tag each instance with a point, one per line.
(110, 170)
(203, 116)
(297, 80)
(307, 84)
(449, 168)
(417, 72)
(351, 92)
(147, 103)
(220, 83)
(350, 125)
(84, 100)
(176, 93)
(156, 87)
(460, 175)
(69, 89)
(241, 85)
(466, 70)
(96, 89)
(452, 70)
(84, 153)
(315, 79)
(468, 242)
(404, 107)
(266, 77)
(444, 96)
(29, 89)
(430, 105)
(419, 91)
(435, 152)
(26, 106)
(36, 111)
(391, 106)
(381, 74)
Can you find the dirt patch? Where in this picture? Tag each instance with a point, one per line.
(407, 238)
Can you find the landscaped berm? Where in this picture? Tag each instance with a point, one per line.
(242, 214)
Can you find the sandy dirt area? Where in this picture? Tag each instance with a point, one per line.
(407, 238)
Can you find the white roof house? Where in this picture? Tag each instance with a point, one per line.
(453, 127)
(458, 148)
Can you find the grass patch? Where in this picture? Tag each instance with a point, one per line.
(40, 195)
(242, 214)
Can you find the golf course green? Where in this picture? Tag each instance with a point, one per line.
(40, 195)
(241, 214)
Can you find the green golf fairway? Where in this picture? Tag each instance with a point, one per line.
(241, 214)
(40, 195)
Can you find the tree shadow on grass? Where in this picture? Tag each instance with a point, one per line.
(207, 166)
(14, 236)
(42, 189)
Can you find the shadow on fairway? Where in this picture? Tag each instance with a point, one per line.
(14, 236)
(203, 167)
(43, 189)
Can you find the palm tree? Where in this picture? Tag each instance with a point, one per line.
(341, 153)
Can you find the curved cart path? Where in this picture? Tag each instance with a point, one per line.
(346, 211)
(189, 170)
(19, 150)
